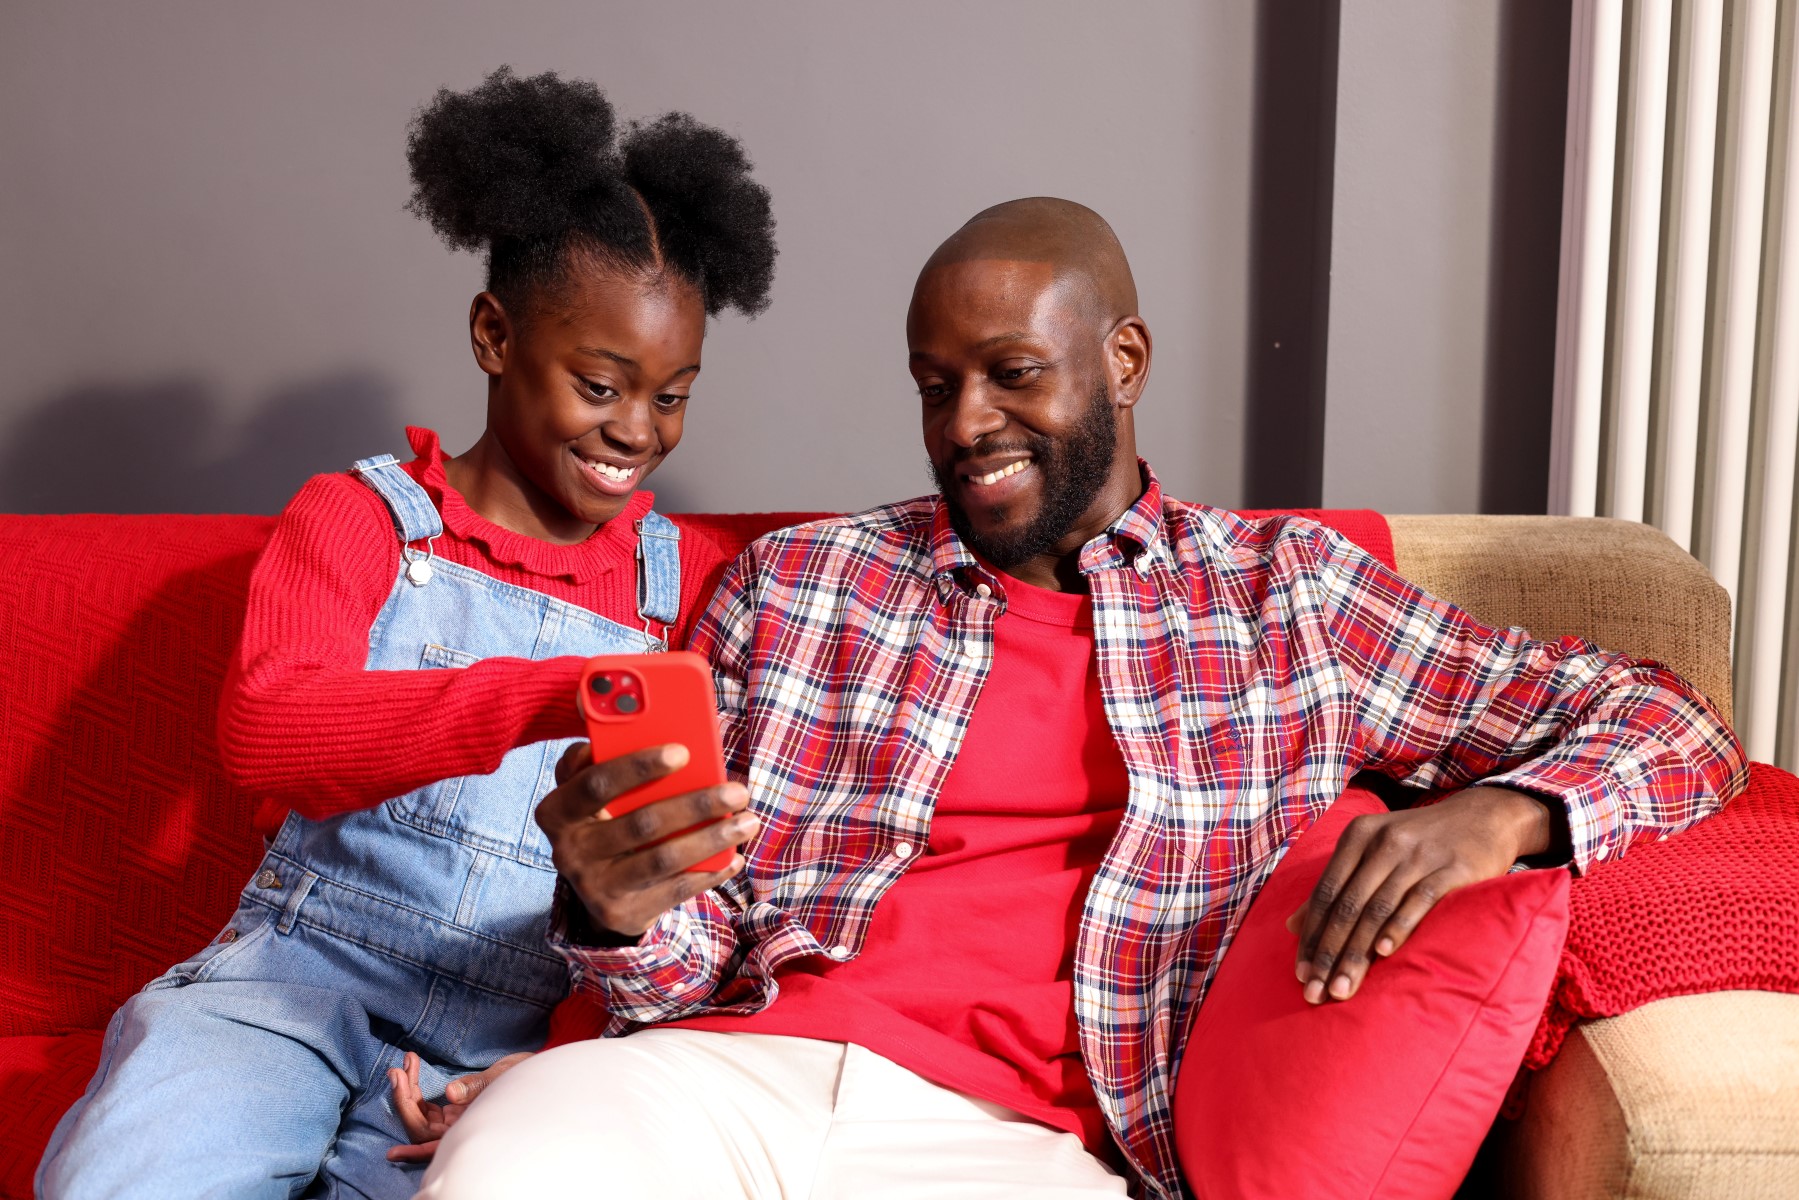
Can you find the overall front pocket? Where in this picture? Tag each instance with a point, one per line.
(432, 807)
(485, 812)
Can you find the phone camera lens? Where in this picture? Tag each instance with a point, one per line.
(627, 704)
(601, 684)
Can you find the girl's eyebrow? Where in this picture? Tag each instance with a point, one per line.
(623, 360)
(631, 363)
(615, 356)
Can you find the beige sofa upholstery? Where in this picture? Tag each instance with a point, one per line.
(1695, 1097)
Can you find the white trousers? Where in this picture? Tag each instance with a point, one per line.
(678, 1113)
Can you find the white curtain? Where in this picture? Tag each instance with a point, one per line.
(1677, 356)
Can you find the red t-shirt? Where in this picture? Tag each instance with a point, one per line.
(966, 976)
(302, 725)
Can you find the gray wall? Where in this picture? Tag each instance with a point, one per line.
(1409, 254)
(211, 290)
(1444, 252)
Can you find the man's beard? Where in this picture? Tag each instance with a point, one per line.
(1073, 471)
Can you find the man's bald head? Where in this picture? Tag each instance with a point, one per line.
(1071, 238)
(1024, 340)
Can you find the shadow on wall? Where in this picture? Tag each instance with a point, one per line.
(1290, 253)
(171, 446)
(1524, 256)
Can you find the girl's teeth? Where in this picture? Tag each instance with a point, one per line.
(996, 476)
(608, 471)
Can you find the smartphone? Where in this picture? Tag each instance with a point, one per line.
(634, 701)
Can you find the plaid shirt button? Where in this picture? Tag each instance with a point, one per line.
(839, 952)
(902, 850)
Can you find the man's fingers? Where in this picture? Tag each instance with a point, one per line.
(654, 866)
(658, 821)
(574, 759)
(1357, 953)
(587, 791)
(642, 846)
(1337, 873)
(1377, 865)
(1422, 897)
(691, 883)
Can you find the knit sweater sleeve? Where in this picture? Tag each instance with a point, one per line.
(304, 724)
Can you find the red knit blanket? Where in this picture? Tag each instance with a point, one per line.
(1713, 909)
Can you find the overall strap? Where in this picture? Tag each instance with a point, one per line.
(659, 568)
(415, 517)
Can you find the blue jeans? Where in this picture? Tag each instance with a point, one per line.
(247, 1082)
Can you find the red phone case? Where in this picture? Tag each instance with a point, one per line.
(655, 700)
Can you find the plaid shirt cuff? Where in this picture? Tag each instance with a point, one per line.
(573, 935)
(1596, 829)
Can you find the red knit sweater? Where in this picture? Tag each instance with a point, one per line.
(302, 725)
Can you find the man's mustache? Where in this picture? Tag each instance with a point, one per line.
(1035, 447)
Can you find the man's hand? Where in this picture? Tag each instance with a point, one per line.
(426, 1121)
(1391, 869)
(624, 872)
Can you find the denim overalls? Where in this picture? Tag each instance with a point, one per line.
(415, 925)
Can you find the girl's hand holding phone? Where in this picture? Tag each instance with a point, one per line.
(628, 870)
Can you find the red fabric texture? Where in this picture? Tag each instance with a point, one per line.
(302, 724)
(40, 1076)
(1714, 909)
(1019, 831)
(1390, 1093)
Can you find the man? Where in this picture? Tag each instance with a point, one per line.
(1013, 762)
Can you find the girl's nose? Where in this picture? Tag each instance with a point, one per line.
(633, 429)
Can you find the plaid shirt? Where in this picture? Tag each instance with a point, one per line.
(1248, 668)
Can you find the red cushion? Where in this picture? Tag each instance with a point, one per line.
(1389, 1093)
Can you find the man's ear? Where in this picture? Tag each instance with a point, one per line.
(1128, 351)
(490, 332)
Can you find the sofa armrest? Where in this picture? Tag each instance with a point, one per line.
(1623, 585)
(1695, 1096)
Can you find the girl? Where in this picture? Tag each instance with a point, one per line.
(406, 681)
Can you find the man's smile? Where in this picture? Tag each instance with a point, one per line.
(986, 474)
(995, 479)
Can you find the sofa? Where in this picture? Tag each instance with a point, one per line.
(122, 847)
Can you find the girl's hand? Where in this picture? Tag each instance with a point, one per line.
(427, 1120)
